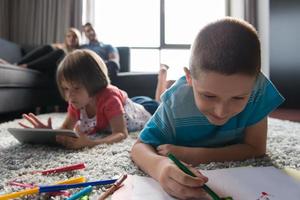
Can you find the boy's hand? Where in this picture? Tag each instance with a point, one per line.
(181, 185)
(36, 123)
(166, 148)
(74, 143)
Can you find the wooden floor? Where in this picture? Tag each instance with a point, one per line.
(286, 114)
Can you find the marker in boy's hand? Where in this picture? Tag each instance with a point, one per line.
(179, 184)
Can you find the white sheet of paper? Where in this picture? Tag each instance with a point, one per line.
(243, 183)
(148, 189)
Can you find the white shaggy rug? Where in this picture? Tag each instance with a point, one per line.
(110, 161)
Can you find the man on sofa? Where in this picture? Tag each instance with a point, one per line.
(106, 51)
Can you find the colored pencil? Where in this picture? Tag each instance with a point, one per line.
(36, 189)
(81, 193)
(187, 171)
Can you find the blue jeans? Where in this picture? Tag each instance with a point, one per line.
(149, 104)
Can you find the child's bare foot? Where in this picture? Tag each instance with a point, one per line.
(2, 61)
(164, 66)
(161, 81)
(162, 74)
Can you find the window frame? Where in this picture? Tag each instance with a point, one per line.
(163, 44)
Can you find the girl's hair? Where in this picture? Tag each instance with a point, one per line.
(228, 46)
(78, 36)
(83, 67)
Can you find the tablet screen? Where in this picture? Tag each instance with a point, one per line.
(39, 136)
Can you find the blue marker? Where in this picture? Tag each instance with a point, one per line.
(81, 193)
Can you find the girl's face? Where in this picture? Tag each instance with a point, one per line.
(220, 97)
(71, 39)
(76, 94)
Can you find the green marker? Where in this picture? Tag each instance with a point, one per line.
(181, 166)
(86, 197)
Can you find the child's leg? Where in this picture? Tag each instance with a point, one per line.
(149, 104)
(162, 83)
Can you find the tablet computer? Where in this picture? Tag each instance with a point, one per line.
(39, 136)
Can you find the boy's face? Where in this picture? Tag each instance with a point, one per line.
(220, 97)
(76, 94)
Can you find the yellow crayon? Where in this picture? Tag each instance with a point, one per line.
(36, 189)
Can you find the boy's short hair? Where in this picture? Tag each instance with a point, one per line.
(227, 46)
(83, 67)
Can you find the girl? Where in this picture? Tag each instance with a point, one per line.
(94, 104)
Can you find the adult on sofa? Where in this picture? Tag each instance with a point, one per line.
(24, 89)
(107, 52)
(46, 58)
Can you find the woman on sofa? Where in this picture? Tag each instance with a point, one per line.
(47, 57)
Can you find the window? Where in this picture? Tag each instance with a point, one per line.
(158, 31)
(132, 23)
(184, 18)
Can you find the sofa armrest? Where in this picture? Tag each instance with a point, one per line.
(136, 84)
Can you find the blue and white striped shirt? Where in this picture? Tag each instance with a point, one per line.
(178, 121)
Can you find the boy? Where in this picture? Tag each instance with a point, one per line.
(217, 112)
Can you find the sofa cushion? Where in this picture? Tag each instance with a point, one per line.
(17, 77)
(10, 51)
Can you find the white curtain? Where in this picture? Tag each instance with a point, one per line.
(88, 11)
(37, 22)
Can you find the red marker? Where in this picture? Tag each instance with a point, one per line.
(62, 169)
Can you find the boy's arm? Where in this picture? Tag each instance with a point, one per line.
(171, 178)
(254, 146)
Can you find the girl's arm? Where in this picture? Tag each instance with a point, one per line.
(171, 178)
(254, 146)
(69, 122)
(119, 132)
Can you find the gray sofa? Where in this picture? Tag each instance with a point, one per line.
(22, 90)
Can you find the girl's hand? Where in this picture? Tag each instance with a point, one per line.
(180, 185)
(74, 143)
(36, 123)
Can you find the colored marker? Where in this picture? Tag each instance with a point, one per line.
(62, 169)
(26, 185)
(81, 193)
(187, 171)
(113, 188)
(86, 197)
(36, 189)
(54, 188)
